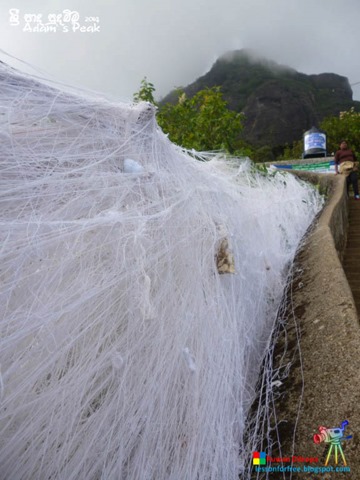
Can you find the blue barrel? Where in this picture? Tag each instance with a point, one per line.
(314, 143)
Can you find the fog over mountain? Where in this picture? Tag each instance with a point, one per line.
(279, 103)
(173, 42)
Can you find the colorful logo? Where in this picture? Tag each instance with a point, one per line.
(334, 436)
(259, 458)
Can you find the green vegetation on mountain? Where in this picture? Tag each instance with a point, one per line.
(201, 122)
(251, 105)
(278, 102)
(345, 126)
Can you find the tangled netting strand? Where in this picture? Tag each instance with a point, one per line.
(124, 353)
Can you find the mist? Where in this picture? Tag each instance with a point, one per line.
(173, 43)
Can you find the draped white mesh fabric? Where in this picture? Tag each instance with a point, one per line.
(124, 353)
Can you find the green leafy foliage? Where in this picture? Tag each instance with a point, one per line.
(243, 149)
(344, 127)
(263, 154)
(146, 92)
(202, 122)
(293, 151)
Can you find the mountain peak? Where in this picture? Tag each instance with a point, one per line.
(279, 103)
(253, 57)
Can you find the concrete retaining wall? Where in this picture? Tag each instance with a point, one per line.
(324, 383)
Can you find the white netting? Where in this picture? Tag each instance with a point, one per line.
(124, 353)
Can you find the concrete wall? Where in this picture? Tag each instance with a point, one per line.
(335, 214)
(324, 383)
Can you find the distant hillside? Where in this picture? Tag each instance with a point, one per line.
(279, 102)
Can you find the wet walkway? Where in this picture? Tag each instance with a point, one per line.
(351, 260)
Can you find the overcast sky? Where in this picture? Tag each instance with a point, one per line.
(173, 42)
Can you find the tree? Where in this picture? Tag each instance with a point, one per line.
(264, 154)
(293, 151)
(344, 127)
(202, 122)
(146, 92)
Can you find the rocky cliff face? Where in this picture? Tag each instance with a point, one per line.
(280, 103)
(279, 111)
(275, 114)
